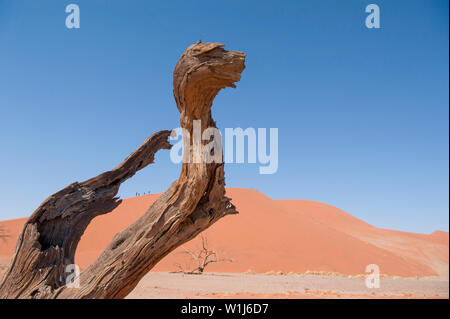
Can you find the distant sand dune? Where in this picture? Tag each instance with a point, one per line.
(278, 235)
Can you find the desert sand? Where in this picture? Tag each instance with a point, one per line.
(293, 286)
(281, 236)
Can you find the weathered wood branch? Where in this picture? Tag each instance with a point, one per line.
(192, 203)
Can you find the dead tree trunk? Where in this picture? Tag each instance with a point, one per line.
(194, 202)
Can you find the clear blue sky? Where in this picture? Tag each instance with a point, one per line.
(363, 114)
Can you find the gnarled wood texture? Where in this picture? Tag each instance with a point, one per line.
(192, 203)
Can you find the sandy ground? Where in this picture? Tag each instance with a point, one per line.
(166, 285)
(228, 285)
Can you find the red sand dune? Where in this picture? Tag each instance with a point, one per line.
(278, 235)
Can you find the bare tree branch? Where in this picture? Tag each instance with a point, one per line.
(194, 202)
(202, 258)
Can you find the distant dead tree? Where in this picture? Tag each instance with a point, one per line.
(46, 247)
(203, 257)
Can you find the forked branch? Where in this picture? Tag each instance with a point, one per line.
(194, 202)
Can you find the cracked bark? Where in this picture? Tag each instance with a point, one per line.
(194, 202)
